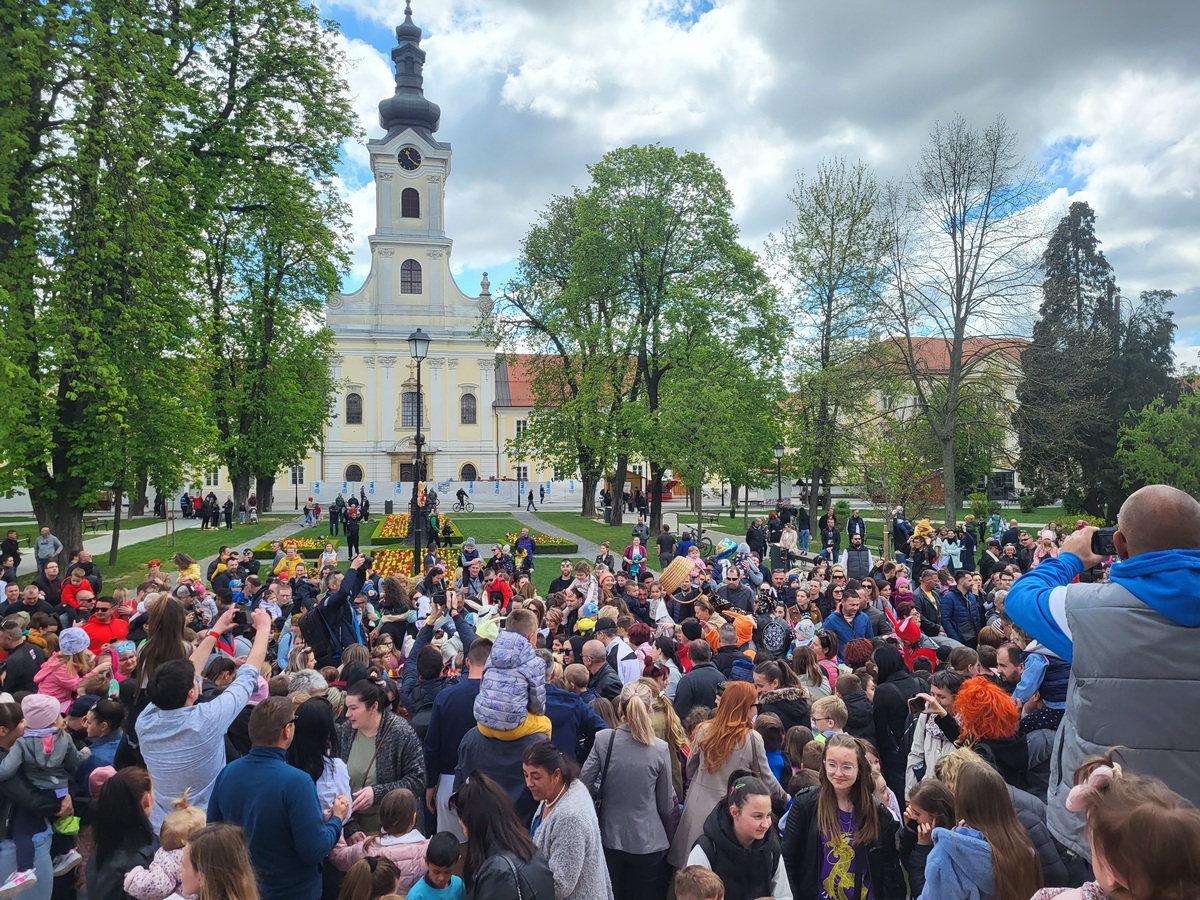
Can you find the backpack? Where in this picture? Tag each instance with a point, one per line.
(317, 634)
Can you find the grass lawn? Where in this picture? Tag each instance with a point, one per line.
(594, 530)
(131, 560)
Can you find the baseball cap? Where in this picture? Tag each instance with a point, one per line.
(606, 624)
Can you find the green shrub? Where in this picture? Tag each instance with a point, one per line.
(841, 509)
(1028, 502)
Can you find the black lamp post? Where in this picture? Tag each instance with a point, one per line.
(418, 349)
(779, 472)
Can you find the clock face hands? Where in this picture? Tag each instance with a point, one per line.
(409, 159)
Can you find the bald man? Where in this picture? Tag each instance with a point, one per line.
(1131, 643)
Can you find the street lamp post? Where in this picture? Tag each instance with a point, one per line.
(418, 349)
(779, 472)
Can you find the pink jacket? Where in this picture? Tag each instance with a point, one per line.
(53, 679)
(406, 851)
(157, 881)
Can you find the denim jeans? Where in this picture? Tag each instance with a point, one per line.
(805, 537)
(41, 865)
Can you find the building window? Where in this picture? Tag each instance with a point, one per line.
(354, 409)
(353, 474)
(410, 204)
(521, 425)
(212, 478)
(408, 409)
(469, 473)
(297, 475)
(410, 277)
(467, 409)
(636, 469)
(522, 473)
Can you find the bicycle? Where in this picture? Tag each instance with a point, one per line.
(703, 542)
(463, 506)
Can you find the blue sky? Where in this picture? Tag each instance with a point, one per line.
(1107, 104)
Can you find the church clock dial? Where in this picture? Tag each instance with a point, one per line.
(410, 158)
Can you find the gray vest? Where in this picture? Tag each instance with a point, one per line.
(1135, 675)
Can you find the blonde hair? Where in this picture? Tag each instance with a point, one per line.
(832, 706)
(698, 883)
(672, 727)
(633, 706)
(181, 823)
(950, 765)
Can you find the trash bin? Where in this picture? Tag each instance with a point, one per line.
(388, 507)
(608, 515)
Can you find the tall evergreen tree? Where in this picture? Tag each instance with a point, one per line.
(1087, 366)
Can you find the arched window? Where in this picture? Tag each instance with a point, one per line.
(354, 409)
(410, 203)
(410, 277)
(408, 409)
(353, 474)
(467, 409)
(469, 473)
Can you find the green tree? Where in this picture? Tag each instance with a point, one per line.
(831, 260)
(1160, 444)
(565, 305)
(666, 221)
(963, 257)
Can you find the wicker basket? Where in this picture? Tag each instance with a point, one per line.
(677, 573)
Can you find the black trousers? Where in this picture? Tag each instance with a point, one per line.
(637, 876)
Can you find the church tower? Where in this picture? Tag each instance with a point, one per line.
(410, 286)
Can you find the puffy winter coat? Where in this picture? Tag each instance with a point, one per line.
(514, 682)
(789, 703)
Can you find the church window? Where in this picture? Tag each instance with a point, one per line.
(467, 409)
(354, 409)
(410, 206)
(354, 474)
(469, 473)
(410, 277)
(408, 409)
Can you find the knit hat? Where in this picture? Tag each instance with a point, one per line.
(806, 632)
(40, 710)
(908, 630)
(73, 640)
(745, 629)
(97, 778)
(261, 692)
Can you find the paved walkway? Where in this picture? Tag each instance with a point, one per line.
(278, 533)
(587, 550)
(101, 541)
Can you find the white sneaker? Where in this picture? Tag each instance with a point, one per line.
(18, 882)
(66, 862)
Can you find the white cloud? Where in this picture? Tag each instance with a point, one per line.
(533, 90)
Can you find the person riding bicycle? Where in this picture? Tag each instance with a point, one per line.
(462, 496)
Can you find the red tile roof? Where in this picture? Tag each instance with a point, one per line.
(933, 353)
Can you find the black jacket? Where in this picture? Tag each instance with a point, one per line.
(497, 878)
(861, 718)
(789, 703)
(802, 850)
(756, 539)
(931, 615)
(338, 610)
(698, 688)
(606, 683)
(725, 659)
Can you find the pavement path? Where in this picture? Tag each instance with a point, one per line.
(587, 549)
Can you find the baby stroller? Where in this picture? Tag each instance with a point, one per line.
(253, 511)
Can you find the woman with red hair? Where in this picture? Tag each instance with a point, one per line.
(990, 723)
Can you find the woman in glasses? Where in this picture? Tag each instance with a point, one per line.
(840, 842)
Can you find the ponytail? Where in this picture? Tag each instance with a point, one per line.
(779, 672)
(369, 879)
(633, 706)
(742, 785)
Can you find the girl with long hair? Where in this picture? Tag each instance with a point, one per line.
(501, 861)
(740, 844)
(398, 840)
(216, 865)
(314, 751)
(988, 855)
(811, 673)
(1144, 837)
(370, 878)
(840, 842)
(723, 745)
(780, 692)
(124, 838)
(638, 798)
(669, 729)
(930, 806)
(666, 652)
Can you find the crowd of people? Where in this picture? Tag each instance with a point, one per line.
(929, 725)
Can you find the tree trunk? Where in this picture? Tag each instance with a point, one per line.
(265, 488)
(949, 489)
(64, 521)
(656, 488)
(137, 503)
(814, 498)
(699, 516)
(733, 499)
(590, 481)
(118, 495)
(241, 492)
(618, 485)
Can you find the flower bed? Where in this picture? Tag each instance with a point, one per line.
(544, 543)
(392, 561)
(394, 530)
(308, 548)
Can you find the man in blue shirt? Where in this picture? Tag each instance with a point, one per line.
(276, 806)
(849, 622)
